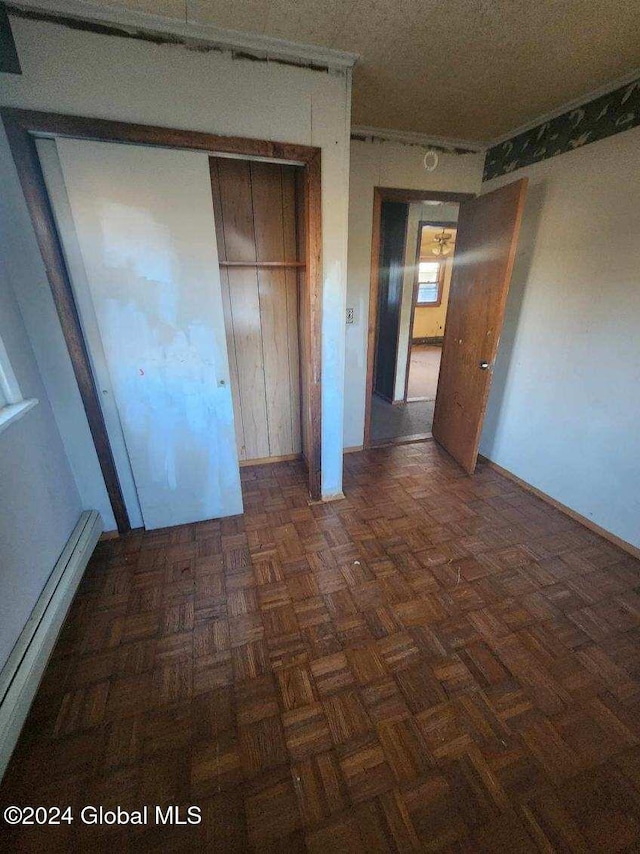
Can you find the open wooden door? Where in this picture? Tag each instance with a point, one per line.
(486, 243)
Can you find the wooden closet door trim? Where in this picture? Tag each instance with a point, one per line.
(312, 354)
(106, 130)
(291, 238)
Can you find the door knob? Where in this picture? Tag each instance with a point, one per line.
(484, 366)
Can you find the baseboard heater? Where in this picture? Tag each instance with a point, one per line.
(21, 675)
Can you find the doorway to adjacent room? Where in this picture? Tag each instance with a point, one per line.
(463, 264)
(417, 242)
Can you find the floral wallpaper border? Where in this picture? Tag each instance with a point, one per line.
(604, 116)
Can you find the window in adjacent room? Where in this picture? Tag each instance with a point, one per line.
(430, 281)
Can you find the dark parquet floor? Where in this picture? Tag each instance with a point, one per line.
(436, 663)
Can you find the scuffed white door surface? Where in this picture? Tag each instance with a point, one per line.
(144, 220)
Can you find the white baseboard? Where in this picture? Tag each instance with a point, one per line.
(21, 675)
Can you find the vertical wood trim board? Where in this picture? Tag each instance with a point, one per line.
(376, 239)
(291, 241)
(312, 348)
(303, 317)
(25, 155)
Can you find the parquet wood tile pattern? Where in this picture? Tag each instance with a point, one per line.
(435, 663)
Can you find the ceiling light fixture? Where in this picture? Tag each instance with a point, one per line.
(442, 244)
(430, 160)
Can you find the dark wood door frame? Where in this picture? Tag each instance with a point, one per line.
(23, 127)
(393, 194)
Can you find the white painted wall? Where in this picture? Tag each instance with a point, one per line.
(564, 409)
(39, 502)
(104, 76)
(384, 164)
(144, 220)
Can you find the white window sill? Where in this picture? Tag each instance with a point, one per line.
(15, 411)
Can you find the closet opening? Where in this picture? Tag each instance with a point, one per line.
(268, 234)
(259, 220)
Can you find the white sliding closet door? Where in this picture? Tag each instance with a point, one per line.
(145, 227)
(50, 162)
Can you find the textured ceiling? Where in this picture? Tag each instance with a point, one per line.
(469, 69)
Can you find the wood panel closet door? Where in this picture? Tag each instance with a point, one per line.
(255, 215)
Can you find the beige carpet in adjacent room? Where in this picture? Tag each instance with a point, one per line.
(423, 372)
